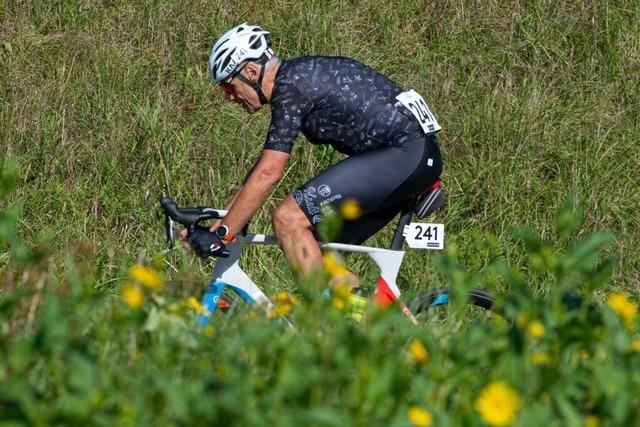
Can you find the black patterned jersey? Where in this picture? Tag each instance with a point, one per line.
(337, 101)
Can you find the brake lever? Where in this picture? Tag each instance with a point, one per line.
(169, 232)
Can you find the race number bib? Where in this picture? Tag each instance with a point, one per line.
(414, 102)
(424, 236)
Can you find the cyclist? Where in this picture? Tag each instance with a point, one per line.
(388, 134)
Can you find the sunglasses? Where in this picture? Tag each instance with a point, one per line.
(228, 89)
(226, 85)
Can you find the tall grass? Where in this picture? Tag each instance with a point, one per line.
(106, 107)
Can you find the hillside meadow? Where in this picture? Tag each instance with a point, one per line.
(105, 106)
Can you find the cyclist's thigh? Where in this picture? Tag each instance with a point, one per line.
(355, 232)
(376, 179)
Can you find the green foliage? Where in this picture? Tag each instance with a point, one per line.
(10, 216)
(92, 358)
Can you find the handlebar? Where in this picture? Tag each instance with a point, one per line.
(188, 217)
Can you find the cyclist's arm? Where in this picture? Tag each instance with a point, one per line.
(235, 196)
(257, 187)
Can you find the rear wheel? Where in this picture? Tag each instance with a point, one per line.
(430, 307)
(440, 297)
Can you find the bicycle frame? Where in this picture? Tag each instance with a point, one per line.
(228, 273)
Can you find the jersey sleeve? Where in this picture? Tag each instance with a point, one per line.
(288, 109)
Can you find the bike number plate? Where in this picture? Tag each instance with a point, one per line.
(419, 108)
(424, 236)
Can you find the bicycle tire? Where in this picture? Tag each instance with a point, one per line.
(440, 297)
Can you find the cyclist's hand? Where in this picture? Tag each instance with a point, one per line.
(183, 238)
(205, 243)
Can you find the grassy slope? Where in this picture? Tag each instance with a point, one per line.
(106, 106)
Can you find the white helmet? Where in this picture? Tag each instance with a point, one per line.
(236, 46)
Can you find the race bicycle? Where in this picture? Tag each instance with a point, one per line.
(228, 276)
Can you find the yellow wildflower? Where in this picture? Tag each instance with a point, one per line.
(536, 329)
(540, 357)
(498, 404)
(145, 276)
(283, 303)
(350, 209)
(419, 352)
(132, 295)
(339, 303)
(341, 294)
(636, 346)
(208, 331)
(281, 310)
(341, 291)
(623, 307)
(333, 264)
(199, 308)
(419, 416)
(591, 421)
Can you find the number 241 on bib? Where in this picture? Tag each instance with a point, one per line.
(424, 236)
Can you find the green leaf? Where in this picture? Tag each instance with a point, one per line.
(570, 414)
(7, 47)
(568, 219)
(82, 373)
(603, 272)
(527, 236)
(54, 323)
(585, 253)
(20, 354)
(326, 417)
(8, 177)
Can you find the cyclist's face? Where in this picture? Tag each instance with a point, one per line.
(241, 93)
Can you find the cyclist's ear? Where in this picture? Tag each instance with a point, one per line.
(252, 71)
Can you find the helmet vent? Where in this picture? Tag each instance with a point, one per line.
(255, 42)
(220, 54)
(225, 62)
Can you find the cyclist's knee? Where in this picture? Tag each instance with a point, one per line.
(288, 216)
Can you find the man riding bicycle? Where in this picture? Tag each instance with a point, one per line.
(387, 133)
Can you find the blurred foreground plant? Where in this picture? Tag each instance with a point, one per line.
(89, 358)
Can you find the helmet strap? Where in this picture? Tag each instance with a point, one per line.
(257, 86)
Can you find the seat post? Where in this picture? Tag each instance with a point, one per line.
(398, 235)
